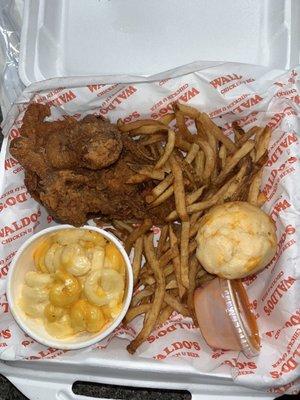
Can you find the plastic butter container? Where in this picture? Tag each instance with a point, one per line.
(225, 318)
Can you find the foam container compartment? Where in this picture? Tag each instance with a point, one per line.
(142, 37)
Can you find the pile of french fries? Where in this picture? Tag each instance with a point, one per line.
(198, 171)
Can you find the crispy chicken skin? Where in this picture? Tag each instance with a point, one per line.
(79, 169)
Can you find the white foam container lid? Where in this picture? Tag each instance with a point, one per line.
(144, 37)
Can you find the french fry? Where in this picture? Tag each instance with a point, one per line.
(253, 155)
(223, 193)
(170, 278)
(175, 304)
(149, 130)
(137, 258)
(154, 151)
(210, 169)
(135, 311)
(188, 170)
(163, 185)
(163, 197)
(190, 111)
(205, 132)
(168, 256)
(145, 270)
(195, 221)
(235, 184)
(200, 129)
(176, 261)
(191, 155)
(168, 270)
(162, 241)
(194, 196)
(138, 297)
(261, 161)
(179, 192)
(192, 286)
(167, 119)
(222, 156)
(172, 284)
(182, 128)
(213, 129)
(259, 131)
(122, 225)
(192, 246)
(156, 174)
(168, 150)
(137, 124)
(199, 163)
(182, 144)
(232, 161)
(147, 280)
(210, 157)
(238, 131)
(254, 131)
(155, 307)
(165, 314)
(254, 188)
(205, 204)
(136, 233)
(184, 253)
(263, 143)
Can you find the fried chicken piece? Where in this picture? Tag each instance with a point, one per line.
(34, 116)
(91, 143)
(79, 169)
(31, 156)
(97, 141)
(58, 153)
(75, 196)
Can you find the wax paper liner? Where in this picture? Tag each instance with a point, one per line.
(229, 92)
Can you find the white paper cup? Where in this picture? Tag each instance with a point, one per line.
(23, 262)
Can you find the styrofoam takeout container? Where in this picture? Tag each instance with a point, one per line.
(105, 37)
(142, 37)
(23, 262)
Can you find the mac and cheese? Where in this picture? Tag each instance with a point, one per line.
(78, 284)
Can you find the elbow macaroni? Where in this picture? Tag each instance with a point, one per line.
(78, 284)
(113, 258)
(75, 260)
(86, 317)
(65, 291)
(35, 293)
(103, 286)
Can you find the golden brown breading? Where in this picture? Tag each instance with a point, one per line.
(79, 169)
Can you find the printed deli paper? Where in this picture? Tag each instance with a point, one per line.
(228, 92)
